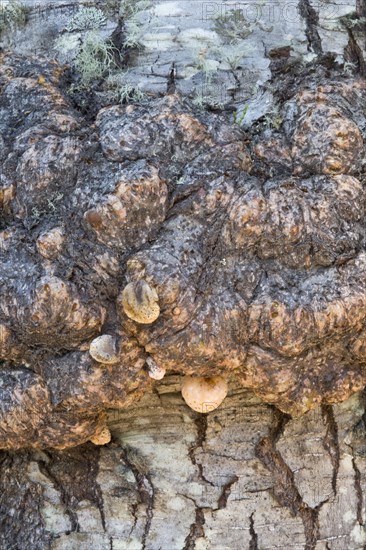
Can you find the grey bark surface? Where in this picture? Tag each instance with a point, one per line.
(230, 183)
(242, 477)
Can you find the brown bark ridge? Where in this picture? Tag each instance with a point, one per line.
(233, 253)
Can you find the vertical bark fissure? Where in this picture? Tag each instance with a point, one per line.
(135, 517)
(71, 514)
(145, 489)
(201, 425)
(253, 545)
(353, 53)
(311, 19)
(100, 505)
(284, 488)
(226, 490)
(171, 85)
(196, 530)
(358, 489)
(83, 463)
(331, 443)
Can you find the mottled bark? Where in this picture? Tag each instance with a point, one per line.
(251, 245)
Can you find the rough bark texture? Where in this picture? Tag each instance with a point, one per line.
(254, 243)
(243, 477)
(242, 234)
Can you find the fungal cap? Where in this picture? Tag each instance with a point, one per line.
(204, 394)
(101, 438)
(103, 349)
(140, 302)
(155, 372)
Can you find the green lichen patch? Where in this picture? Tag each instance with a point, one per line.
(122, 91)
(233, 26)
(86, 19)
(12, 16)
(95, 58)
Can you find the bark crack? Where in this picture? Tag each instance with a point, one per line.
(145, 489)
(226, 490)
(72, 515)
(253, 544)
(135, 517)
(196, 530)
(353, 53)
(284, 488)
(311, 19)
(201, 425)
(358, 488)
(73, 473)
(330, 442)
(171, 84)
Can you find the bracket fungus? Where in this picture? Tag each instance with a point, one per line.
(102, 438)
(204, 394)
(155, 372)
(140, 302)
(104, 350)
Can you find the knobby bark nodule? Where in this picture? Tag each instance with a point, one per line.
(192, 203)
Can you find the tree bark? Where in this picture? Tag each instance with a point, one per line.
(243, 476)
(200, 201)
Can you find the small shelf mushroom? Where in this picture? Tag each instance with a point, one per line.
(204, 394)
(140, 302)
(101, 438)
(104, 350)
(155, 372)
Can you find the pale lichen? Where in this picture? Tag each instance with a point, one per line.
(94, 59)
(122, 91)
(86, 19)
(12, 16)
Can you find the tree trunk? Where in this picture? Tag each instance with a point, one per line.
(243, 477)
(182, 192)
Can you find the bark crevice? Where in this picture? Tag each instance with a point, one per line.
(253, 545)
(145, 489)
(201, 427)
(284, 487)
(80, 463)
(196, 530)
(331, 443)
(226, 491)
(311, 19)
